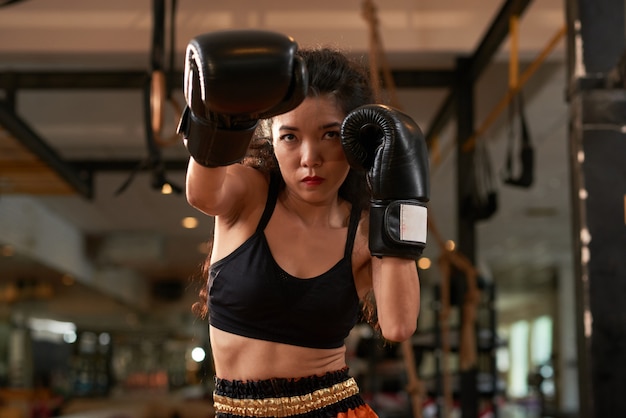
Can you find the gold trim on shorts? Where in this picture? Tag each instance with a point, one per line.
(287, 405)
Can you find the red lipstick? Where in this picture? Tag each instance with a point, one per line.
(312, 180)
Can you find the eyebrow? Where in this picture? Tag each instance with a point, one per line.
(287, 128)
(326, 126)
(331, 125)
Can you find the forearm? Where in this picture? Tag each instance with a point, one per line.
(397, 292)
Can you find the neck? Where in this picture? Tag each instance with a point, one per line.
(333, 213)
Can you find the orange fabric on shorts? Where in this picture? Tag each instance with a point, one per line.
(364, 411)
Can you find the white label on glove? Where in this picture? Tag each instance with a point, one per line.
(413, 223)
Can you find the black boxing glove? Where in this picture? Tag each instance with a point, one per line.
(232, 79)
(391, 148)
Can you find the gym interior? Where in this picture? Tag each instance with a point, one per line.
(522, 106)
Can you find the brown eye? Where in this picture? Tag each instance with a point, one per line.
(287, 137)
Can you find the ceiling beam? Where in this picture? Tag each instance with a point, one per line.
(71, 79)
(129, 79)
(479, 60)
(110, 165)
(19, 129)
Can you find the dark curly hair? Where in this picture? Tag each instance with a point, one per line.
(333, 73)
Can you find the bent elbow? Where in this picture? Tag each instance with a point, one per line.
(202, 200)
(398, 332)
(194, 199)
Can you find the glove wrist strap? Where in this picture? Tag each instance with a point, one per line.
(398, 228)
(212, 146)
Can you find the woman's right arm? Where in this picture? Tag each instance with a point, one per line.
(221, 191)
(225, 99)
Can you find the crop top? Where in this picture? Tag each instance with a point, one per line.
(252, 296)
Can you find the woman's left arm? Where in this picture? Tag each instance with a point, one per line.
(397, 292)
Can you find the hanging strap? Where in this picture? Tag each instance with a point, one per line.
(527, 153)
(481, 200)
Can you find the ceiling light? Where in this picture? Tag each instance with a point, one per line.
(159, 182)
(450, 245)
(424, 263)
(198, 354)
(166, 188)
(190, 222)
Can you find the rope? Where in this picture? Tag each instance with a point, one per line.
(444, 330)
(370, 14)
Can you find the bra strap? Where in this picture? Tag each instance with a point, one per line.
(270, 203)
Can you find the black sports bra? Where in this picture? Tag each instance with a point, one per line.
(252, 296)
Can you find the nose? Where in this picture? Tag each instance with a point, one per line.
(310, 154)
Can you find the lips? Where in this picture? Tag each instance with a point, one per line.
(312, 180)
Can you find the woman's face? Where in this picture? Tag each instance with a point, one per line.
(308, 149)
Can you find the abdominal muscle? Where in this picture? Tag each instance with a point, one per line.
(243, 358)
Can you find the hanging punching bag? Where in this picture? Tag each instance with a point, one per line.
(526, 153)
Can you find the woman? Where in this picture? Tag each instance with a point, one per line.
(290, 262)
